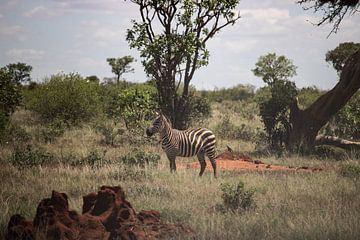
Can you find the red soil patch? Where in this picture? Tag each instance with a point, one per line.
(106, 215)
(240, 162)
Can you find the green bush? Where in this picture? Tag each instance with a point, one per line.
(236, 197)
(274, 102)
(30, 156)
(237, 93)
(330, 152)
(93, 159)
(51, 131)
(15, 135)
(350, 171)
(134, 105)
(200, 109)
(140, 158)
(227, 130)
(65, 97)
(109, 132)
(9, 98)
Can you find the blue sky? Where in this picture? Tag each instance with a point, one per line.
(78, 35)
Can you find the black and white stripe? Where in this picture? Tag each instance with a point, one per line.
(187, 143)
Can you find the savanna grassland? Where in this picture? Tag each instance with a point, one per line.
(319, 205)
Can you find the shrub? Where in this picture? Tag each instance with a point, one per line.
(140, 158)
(200, 109)
(109, 132)
(351, 171)
(135, 105)
(52, 131)
(9, 98)
(237, 93)
(226, 129)
(330, 152)
(93, 159)
(30, 156)
(15, 135)
(65, 97)
(236, 197)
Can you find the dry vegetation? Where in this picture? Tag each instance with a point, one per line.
(324, 205)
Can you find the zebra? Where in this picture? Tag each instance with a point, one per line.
(187, 143)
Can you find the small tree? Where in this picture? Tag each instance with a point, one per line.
(9, 98)
(19, 72)
(119, 66)
(171, 37)
(274, 107)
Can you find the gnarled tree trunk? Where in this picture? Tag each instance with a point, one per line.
(307, 123)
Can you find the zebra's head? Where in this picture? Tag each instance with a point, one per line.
(158, 124)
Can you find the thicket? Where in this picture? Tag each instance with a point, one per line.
(239, 92)
(65, 97)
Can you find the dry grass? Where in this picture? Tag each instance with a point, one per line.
(322, 205)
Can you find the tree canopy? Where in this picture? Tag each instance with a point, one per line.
(338, 56)
(171, 37)
(119, 66)
(19, 72)
(272, 68)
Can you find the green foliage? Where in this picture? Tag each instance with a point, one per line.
(330, 152)
(199, 109)
(272, 68)
(119, 66)
(65, 97)
(236, 197)
(93, 159)
(50, 132)
(226, 129)
(135, 105)
(338, 56)
(30, 156)
(15, 135)
(140, 158)
(346, 122)
(308, 95)
(350, 171)
(274, 111)
(9, 98)
(172, 52)
(275, 99)
(109, 132)
(19, 72)
(237, 93)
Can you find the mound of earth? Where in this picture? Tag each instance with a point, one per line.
(240, 162)
(105, 215)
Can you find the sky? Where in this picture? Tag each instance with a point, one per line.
(78, 35)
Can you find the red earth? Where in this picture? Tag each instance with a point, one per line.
(105, 215)
(239, 162)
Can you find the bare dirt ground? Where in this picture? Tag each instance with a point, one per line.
(239, 162)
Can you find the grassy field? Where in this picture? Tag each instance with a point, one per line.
(321, 205)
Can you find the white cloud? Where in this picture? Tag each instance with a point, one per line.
(41, 11)
(90, 63)
(1, 16)
(25, 54)
(269, 15)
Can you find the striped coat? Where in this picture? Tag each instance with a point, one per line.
(187, 143)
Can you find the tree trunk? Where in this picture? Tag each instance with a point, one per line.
(307, 123)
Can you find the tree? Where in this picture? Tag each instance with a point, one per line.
(19, 72)
(119, 66)
(9, 98)
(272, 68)
(307, 122)
(334, 11)
(274, 108)
(338, 56)
(171, 37)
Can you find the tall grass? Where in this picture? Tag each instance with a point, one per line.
(321, 205)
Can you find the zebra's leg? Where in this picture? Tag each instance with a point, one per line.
(211, 156)
(201, 158)
(172, 162)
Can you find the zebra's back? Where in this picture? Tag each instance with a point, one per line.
(192, 141)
